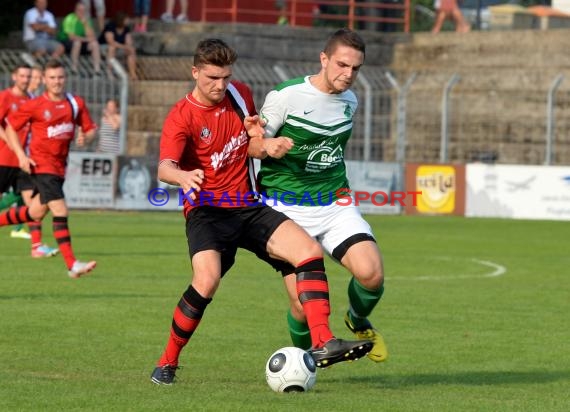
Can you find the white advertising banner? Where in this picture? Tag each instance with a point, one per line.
(520, 192)
(373, 186)
(90, 180)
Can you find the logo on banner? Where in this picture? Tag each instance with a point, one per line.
(438, 187)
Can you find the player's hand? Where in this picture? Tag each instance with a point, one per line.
(26, 164)
(80, 141)
(277, 147)
(191, 182)
(254, 125)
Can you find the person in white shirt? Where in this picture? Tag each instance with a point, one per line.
(39, 31)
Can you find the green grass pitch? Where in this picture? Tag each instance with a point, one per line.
(475, 315)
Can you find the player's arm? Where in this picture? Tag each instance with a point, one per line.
(275, 147)
(87, 126)
(189, 181)
(3, 114)
(84, 138)
(272, 118)
(13, 142)
(3, 135)
(173, 140)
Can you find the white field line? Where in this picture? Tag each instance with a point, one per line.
(497, 270)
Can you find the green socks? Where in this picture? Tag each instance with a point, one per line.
(299, 331)
(361, 301)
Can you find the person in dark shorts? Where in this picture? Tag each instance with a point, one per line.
(204, 150)
(53, 118)
(15, 186)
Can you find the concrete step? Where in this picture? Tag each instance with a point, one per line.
(506, 49)
(147, 118)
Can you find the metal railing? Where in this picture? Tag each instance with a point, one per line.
(351, 13)
(95, 90)
(497, 116)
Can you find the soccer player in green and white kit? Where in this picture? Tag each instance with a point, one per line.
(309, 121)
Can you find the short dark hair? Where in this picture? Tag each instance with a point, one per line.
(344, 37)
(215, 52)
(53, 64)
(120, 18)
(21, 66)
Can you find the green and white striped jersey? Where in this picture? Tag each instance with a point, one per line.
(320, 124)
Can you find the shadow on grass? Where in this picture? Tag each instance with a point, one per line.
(474, 378)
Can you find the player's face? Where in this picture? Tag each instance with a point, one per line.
(35, 80)
(341, 68)
(21, 78)
(54, 80)
(211, 83)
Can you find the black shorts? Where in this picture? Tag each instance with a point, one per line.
(8, 176)
(226, 229)
(50, 187)
(24, 182)
(68, 44)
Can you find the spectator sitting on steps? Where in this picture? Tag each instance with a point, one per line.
(78, 36)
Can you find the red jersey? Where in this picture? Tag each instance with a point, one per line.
(211, 138)
(9, 103)
(53, 126)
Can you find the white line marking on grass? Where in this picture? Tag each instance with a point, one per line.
(498, 270)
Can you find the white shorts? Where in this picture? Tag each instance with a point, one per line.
(330, 225)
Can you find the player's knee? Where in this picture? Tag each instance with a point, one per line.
(373, 278)
(312, 249)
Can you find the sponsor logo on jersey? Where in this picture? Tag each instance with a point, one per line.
(56, 132)
(206, 135)
(323, 158)
(348, 111)
(227, 155)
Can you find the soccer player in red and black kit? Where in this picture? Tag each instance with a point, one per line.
(53, 119)
(10, 174)
(204, 149)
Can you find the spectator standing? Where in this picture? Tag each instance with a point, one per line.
(142, 10)
(116, 37)
(40, 30)
(109, 128)
(448, 9)
(78, 36)
(168, 15)
(99, 11)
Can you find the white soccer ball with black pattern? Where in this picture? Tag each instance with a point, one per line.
(291, 370)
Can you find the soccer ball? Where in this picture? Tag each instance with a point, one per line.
(290, 370)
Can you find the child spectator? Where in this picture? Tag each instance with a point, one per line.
(109, 128)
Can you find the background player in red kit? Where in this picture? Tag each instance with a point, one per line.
(10, 174)
(53, 119)
(204, 149)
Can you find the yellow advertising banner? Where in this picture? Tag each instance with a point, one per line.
(442, 187)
